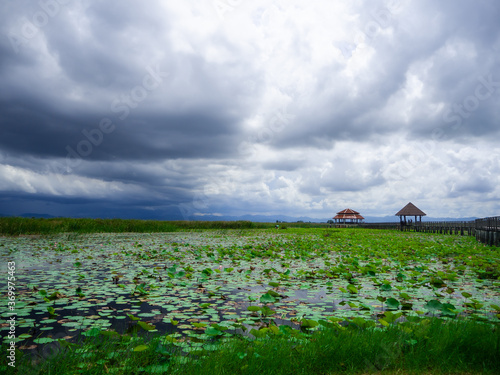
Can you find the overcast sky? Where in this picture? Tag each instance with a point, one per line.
(177, 109)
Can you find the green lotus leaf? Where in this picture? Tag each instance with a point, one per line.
(170, 338)
(405, 296)
(93, 332)
(433, 305)
(392, 303)
(386, 287)
(447, 309)
(51, 311)
(267, 298)
(391, 317)
(199, 325)
(326, 323)
(308, 323)
(146, 326)
(259, 333)
(266, 311)
(145, 315)
(43, 340)
(109, 333)
(211, 331)
(273, 294)
(363, 323)
(352, 289)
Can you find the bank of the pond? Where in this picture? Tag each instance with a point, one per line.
(429, 345)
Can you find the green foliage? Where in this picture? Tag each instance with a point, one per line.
(146, 326)
(392, 303)
(424, 346)
(267, 298)
(15, 226)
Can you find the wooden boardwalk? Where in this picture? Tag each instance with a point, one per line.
(486, 230)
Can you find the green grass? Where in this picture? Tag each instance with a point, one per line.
(427, 346)
(451, 347)
(15, 226)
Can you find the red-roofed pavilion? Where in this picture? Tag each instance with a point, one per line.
(348, 216)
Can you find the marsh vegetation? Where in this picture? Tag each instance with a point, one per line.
(255, 300)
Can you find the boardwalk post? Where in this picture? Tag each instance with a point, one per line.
(486, 230)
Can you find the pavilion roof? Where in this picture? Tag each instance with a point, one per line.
(348, 214)
(347, 211)
(410, 210)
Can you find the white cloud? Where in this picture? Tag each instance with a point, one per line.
(24, 180)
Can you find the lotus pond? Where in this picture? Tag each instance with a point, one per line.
(201, 286)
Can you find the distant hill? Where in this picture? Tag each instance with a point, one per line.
(450, 219)
(254, 218)
(30, 214)
(291, 219)
(395, 219)
(44, 216)
(259, 218)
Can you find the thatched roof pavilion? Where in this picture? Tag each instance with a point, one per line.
(348, 216)
(410, 210)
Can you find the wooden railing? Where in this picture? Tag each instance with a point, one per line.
(486, 230)
(445, 227)
(393, 225)
(489, 223)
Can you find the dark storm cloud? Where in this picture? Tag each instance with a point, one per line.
(168, 136)
(105, 64)
(20, 204)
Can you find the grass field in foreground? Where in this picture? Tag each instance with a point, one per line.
(433, 346)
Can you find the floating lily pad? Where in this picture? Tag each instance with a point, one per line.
(304, 276)
(43, 340)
